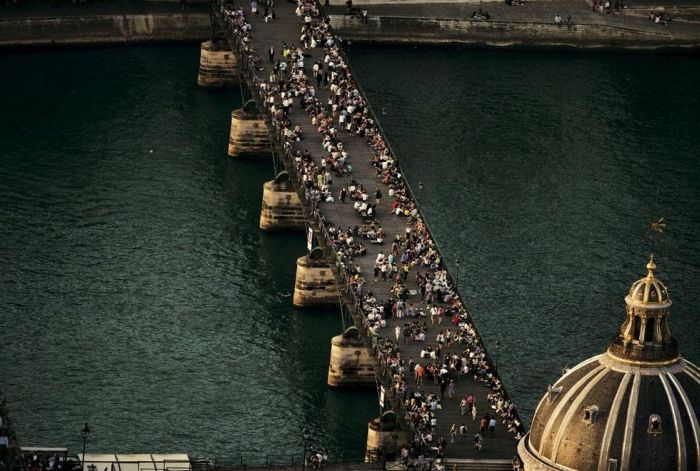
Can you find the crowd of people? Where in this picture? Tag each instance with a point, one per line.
(569, 21)
(345, 113)
(608, 6)
(481, 15)
(8, 445)
(45, 462)
(659, 17)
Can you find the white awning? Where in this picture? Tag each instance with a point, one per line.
(135, 462)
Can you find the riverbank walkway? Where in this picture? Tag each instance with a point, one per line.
(530, 16)
(500, 444)
(686, 13)
(30, 9)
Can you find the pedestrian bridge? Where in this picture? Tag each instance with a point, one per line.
(370, 250)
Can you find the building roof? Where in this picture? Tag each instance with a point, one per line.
(631, 408)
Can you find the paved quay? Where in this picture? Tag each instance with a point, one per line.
(531, 23)
(62, 9)
(286, 29)
(41, 23)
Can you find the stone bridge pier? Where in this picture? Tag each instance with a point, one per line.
(249, 136)
(351, 364)
(385, 438)
(281, 209)
(315, 284)
(218, 65)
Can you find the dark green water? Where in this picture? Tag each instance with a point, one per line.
(541, 171)
(137, 293)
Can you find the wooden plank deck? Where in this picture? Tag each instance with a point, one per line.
(286, 29)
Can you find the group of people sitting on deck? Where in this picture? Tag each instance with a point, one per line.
(314, 179)
(344, 243)
(346, 111)
(363, 205)
(371, 231)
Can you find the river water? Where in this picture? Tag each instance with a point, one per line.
(136, 292)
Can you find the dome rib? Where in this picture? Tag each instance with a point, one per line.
(574, 408)
(553, 418)
(629, 409)
(629, 424)
(568, 373)
(612, 420)
(677, 423)
(692, 416)
(693, 371)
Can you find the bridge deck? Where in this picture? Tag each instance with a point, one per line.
(286, 28)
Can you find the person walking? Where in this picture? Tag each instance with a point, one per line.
(483, 425)
(492, 426)
(397, 332)
(463, 433)
(463, 405)
(471, 405)
(271, 54)
(453, 433)
(478, 442)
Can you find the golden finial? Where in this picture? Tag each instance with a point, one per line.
(651, 266)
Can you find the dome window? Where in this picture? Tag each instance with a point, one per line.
(590, 414)
(553, 393)
(654, 424)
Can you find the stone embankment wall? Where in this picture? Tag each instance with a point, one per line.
(499, 33)
(360, 3)
(104, 29)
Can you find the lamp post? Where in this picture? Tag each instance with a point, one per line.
(84, 433)
(306, 434)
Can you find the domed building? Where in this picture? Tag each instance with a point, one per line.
(631, 408)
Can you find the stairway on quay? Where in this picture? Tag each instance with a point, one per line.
(478, 465)
(286, 28)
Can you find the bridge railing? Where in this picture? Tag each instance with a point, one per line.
(292, 461)
(282, 150)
